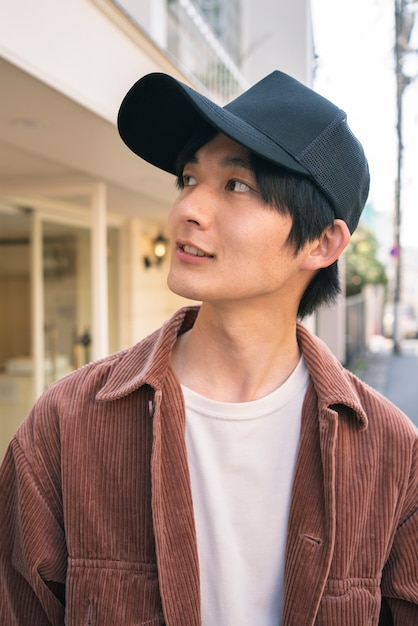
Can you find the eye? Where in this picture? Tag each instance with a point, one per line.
(185, 180)
(238, 186)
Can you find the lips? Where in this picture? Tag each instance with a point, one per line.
(194, 251)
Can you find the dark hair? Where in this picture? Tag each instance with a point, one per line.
(293, 195)
(311, 213)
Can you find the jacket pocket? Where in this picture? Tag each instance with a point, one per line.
(350, 602)
(112, 593)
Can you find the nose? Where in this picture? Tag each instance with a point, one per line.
(195, 206)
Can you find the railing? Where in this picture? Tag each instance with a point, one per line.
(194, 47)
(197, 49)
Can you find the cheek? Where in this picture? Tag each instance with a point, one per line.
(172, 220)
(265, 240)
(256, 257)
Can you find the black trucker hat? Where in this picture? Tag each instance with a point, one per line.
(278, 118)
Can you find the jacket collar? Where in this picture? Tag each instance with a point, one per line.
(147, 362)
(332, 382)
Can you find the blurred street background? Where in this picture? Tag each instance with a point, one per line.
(381, 304)
(395, 375)
(84, 248)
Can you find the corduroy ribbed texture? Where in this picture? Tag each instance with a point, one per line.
(96, 518)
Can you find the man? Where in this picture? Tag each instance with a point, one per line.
(226, 470)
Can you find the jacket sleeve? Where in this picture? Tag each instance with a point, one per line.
(32, 546)
(400, 575)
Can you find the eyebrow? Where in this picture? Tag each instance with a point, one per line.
(236, 161)
(228, 161)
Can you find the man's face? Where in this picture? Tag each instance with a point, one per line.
(228, 245)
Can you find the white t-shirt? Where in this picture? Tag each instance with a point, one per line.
(242, 458)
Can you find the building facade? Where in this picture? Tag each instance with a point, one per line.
(79, 212)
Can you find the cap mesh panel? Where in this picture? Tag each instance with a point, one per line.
(338, 165)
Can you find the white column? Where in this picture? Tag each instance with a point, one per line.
(99, 284)
(159, 22)
(37, 305)
(330, 326)
(330, 321)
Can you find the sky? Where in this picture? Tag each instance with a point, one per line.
(355, 69)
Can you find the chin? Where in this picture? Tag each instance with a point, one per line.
(180, 287)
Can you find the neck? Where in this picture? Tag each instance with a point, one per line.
(236, 356)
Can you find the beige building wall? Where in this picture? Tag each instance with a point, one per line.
(277, 35)
(68, 64)
(146, 301)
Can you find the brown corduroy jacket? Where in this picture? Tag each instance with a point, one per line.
(96, 518)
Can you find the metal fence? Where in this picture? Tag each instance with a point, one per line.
(194, 45)
(356, 328)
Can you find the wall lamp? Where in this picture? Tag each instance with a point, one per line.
(159, 247)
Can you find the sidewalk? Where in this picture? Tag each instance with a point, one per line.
(394, 375)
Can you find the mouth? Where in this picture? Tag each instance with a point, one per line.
(193, 251)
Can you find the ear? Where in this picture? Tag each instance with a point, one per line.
(329, 247)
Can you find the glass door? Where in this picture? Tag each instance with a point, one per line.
(47, 297)
(16, 366)
(67, 299)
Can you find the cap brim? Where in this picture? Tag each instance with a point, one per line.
(159, 115)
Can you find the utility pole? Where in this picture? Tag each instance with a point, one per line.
(404, 23)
